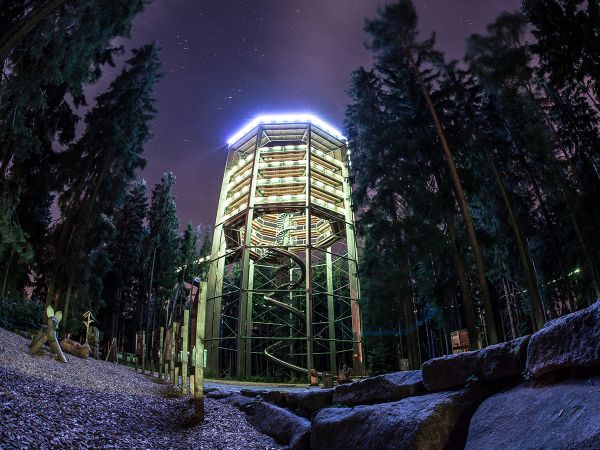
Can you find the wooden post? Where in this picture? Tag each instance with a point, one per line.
(174, 353)
(144, 352)
(150, 345)
(161, 352)
(192, 378)
(168, 353)
(138, 350)
(199, 360)
(184, 350)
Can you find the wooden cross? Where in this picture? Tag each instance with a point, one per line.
(87, 322)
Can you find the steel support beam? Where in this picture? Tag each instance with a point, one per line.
(330, 312)
(246, 275)
(308, 261)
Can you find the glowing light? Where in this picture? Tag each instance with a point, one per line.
(285, 118)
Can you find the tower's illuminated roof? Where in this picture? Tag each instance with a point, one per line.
(285, 118)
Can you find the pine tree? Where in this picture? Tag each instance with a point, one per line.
(19, 18)
(123, 283)
(101, 165)
(403, 61)
(188, 257)
(205, 252)
(567, 50)
(13, 244)
(162, 251)
(567, 42)
(376, 144)
(516, 104)
(50, 51)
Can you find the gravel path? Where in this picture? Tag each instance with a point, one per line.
(90, 403)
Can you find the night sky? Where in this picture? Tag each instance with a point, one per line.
(227, 61)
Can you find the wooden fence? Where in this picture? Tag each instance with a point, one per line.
(176, 354)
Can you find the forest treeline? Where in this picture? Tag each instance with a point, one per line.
(477, 181)
(77, 230)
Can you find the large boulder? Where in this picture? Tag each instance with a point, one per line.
(310, 400)
(252, 392)
(283, 425)
(569, 341)
(268, 395)
(494, 363)
(241, 402)
(530, 416)
(380, 389)
(275, 397)
(432, 421)
(218, 394)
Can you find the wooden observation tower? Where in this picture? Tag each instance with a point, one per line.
(283, 290)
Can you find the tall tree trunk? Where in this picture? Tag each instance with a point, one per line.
(151, 300)
(66, 305)
(6, 272)
(465, 291)
(490, 320)
(13, 36)
(411, 330)
(70, 235)
(513, 328)
(536, 300)
(115, 316)
(542, 203)
(409, 313)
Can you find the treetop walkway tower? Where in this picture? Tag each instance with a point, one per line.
(282, 295)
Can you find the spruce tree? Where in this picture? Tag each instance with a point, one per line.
(162, 252)
(425, 197)
(101, 165)
(405, 64)
(50, 52)
(123, 283)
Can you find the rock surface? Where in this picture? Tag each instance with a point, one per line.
(379, 389)
(569, 341)
(241, 402)
(218, 394)
(431, 421)
(271, 396)
(494, 363)
(311, 400)
(283, 425)
(276, 397)
(252, 392)
(530, 416)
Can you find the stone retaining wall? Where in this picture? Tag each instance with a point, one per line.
(538, 391)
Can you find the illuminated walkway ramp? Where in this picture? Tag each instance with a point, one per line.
(283, 290)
